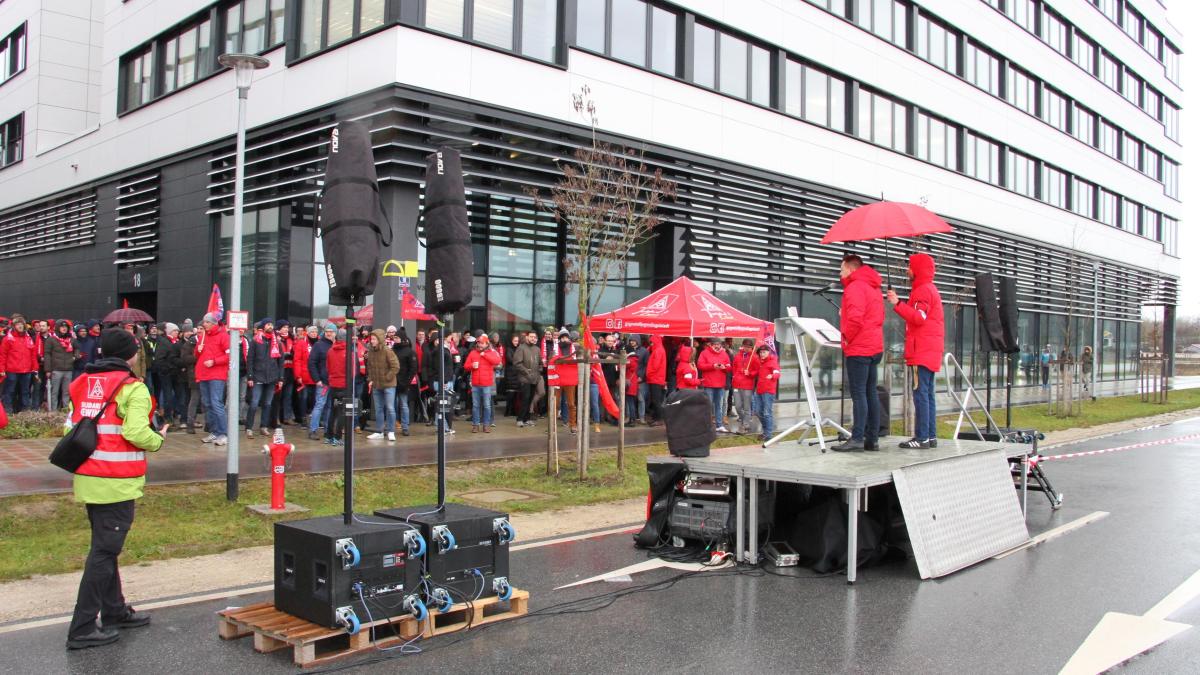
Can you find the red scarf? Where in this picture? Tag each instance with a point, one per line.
(275, 353)
(65, 342)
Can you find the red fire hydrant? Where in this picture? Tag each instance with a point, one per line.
(279, 451)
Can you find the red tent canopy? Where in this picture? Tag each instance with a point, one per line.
(682, 309)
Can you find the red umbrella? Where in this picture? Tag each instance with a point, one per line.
(127, 315)
(883, 220)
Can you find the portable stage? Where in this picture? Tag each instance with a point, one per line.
(958, 499)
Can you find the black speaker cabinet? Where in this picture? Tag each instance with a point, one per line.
(467, 553)
(320, 563)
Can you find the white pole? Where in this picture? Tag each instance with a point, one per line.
(233, 394)
(1095, 324)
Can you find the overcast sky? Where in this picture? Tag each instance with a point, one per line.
(1185, 16)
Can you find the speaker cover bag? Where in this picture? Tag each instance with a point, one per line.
(688, 417)
(449, 264)
(992, 336)
(354, 227)
(663, 476)
(1008, 314)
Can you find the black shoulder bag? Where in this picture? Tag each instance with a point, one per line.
(80, 442)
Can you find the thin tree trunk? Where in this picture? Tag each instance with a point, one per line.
(624, 359)
(552, 433)
(585, 423)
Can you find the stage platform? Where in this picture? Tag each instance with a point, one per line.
(851, 472)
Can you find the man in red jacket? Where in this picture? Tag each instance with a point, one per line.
(862, 345)
(656, 378)
(18, 363)
(924, 336)
(743, 386)
(765, 370)
(714, 365)
(481, 363)
(212, 370)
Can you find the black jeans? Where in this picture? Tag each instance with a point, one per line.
(654, 405)
(336, 405)
(862, 374)
(528, 391)
(100, 587)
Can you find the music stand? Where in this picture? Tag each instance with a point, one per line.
(825, 336)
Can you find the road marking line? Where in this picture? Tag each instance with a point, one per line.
(227, 593)
(1147, 444)
(1185, 593)
(1056, 532)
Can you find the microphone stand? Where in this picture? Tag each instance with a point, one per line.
(349, 410)
(443, 409)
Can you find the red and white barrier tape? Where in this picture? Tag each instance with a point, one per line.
(1147, 444)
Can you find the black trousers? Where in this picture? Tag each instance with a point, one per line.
(654, 405)
(100, 588)
(528, 391)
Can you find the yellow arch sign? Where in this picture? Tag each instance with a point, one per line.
(399, 268)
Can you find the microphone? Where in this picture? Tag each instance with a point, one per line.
(826, 288)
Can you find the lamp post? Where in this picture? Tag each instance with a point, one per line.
(243, 66)
(1095, 325)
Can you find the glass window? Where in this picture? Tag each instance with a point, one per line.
(447, 16)
(1022, 90)
(1170, 174)
(1171, 62)
(1152, 102)
(1152, 42)
(1021, 173)
(835, 6)
(662, 40)
(733, 66)
(1110, 8)
(310, 27)
(1054, 108)
(254, 31)
(885, 18)
(1171, 120)
(341, 21)
(816, 96)
(205, 60)
(187, 57)
(1108, 139)
(170, 58)
(1131, 88)
(1131, 152)
(1131, 220)
(278, 14)
(233, 29)
(629, 31)
(1083, 194)
(760, 75)
(937, 44)
(539, 28)
(12, 53)
(1083, 52)
(1132, 23)
(371, 15)
(982, 159)
(1107, 208)
(793, 92)
(493, 23)
(704, 56)
(1085, 124)
(1054, 31)
(1151, 225)
(589, 23)
(937, 141)
(1054, 186)
(1152, 163)
(982, 69)
(1109, 72)
(837, 103)
(882, 121)
(12, 137)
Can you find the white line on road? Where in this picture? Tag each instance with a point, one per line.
(1056, 532)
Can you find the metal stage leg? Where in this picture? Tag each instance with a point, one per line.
(852, 535)
(1025, 485)
(753, 507)
(741, 519)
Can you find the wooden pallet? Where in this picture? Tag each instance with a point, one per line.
(478, 613)
(312, 644)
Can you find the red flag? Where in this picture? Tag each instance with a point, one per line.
(411, 308)
(606, 398)
(215, 304)
(125, 303)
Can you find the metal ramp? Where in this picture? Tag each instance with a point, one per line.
(959, 511)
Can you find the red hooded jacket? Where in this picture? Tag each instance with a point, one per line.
(18, 353)
(336, 362)
(862, 313)
(300, 349)
(924, 337)
(767, 372)
(656, 362)
(631, 378)
(743, 377)
(212, 345)
(714, 367)
(483, 375)
(686, 376)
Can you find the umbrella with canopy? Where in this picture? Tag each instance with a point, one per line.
(884, 220)
(682, 309)
(127, 315)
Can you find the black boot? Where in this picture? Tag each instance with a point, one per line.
(97, 638)
(850, 446)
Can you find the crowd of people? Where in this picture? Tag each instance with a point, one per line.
(293, 375)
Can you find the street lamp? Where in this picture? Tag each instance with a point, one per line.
(243, 66)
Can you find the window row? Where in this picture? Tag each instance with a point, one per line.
(12, 135)
(1142, 32)
(188, 53)
(528, 27)
(12, 54)
(324, 23)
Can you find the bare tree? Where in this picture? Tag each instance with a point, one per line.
(608, 200)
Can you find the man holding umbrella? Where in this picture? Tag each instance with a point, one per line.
(923, 340)
(862, 345)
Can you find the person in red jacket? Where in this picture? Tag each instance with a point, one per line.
(656, 379)
(743, 386)
(338, 385)
(925, 330)
(765, 370)
(481, 363)
(212, 370)
(686, 376)
(631, 384)
(18, 363)
(862, 346)
(714, 365)
(564, 375)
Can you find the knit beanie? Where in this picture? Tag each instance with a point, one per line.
(119, 343)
